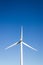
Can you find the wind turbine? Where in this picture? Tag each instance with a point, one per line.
(21, 42)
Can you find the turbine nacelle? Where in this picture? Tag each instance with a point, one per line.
(21, 41)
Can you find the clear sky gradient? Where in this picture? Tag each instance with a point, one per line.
(13, 15)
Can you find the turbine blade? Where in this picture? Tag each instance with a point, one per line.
(12, 45)
(22, 33)
(29, 46)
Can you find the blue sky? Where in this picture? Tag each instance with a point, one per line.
(13, 15)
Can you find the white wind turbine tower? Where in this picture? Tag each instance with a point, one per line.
(21, 42)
